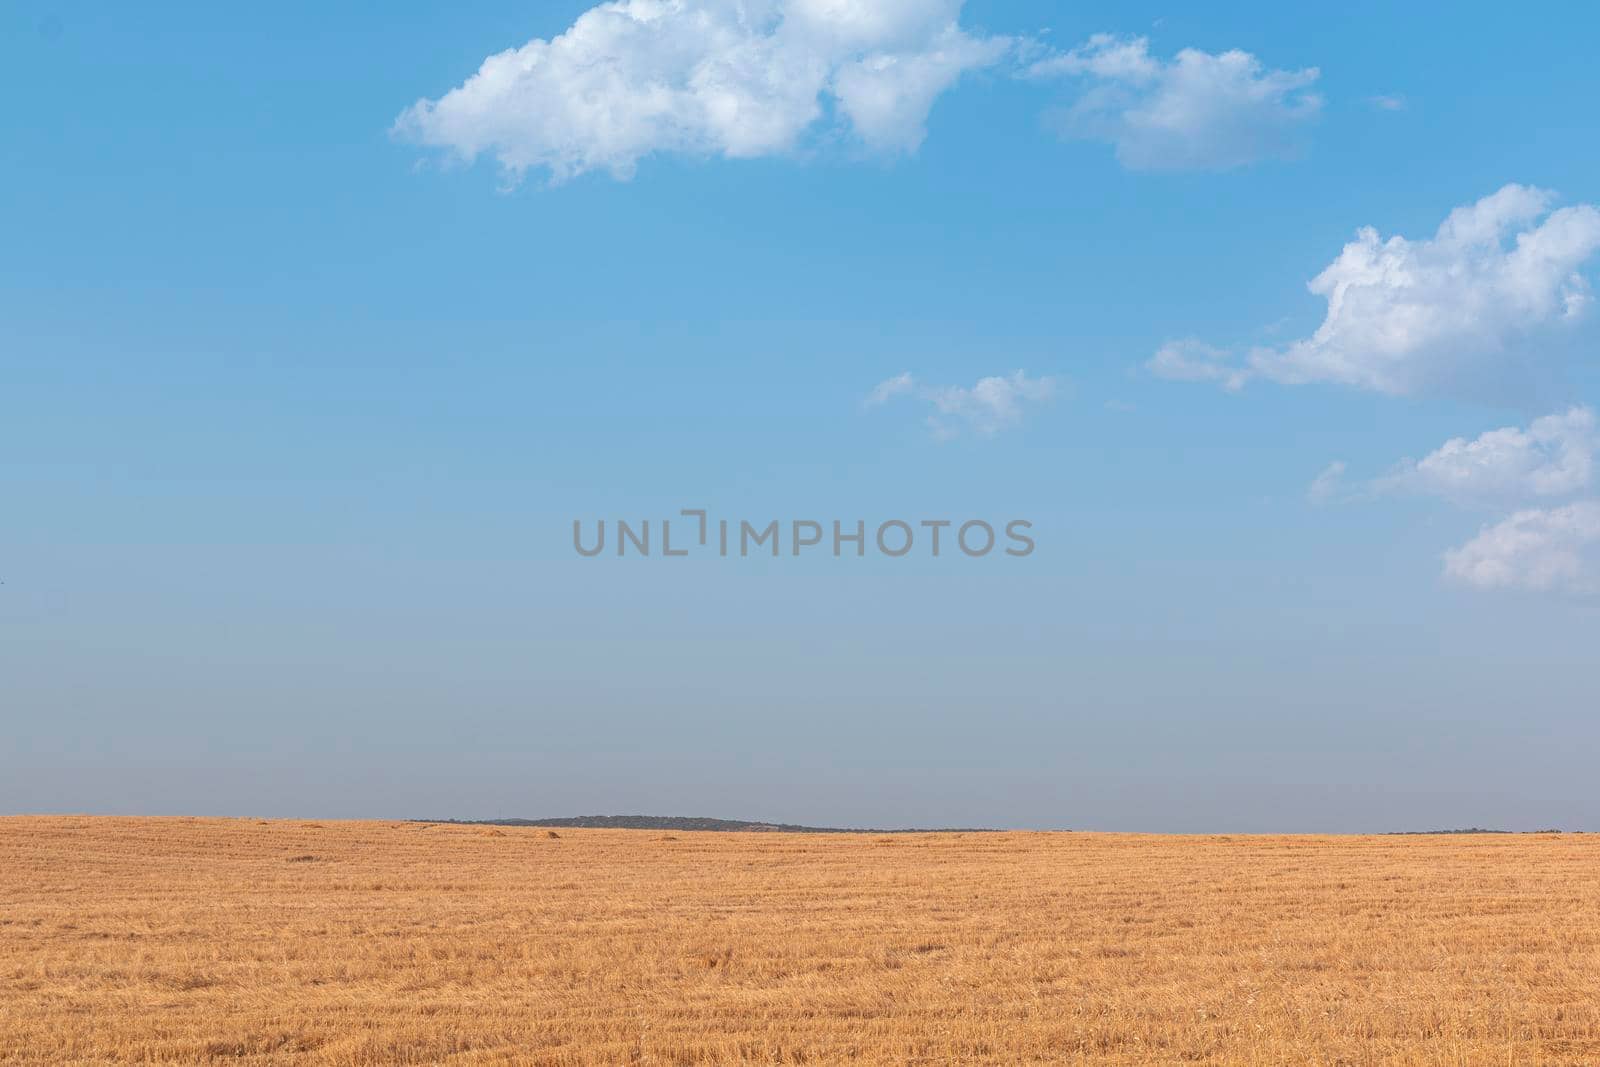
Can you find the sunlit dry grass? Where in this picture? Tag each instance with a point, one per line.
(237, 941)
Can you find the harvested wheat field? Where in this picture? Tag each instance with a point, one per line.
(247, 942)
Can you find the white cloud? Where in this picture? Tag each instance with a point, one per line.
(1542, 550)
(1553, 457)
(749, 78)
(1199, 110)
(1191, 360)
(1327, 485)
(987, 407)
(1480, 300)
(734, 78)
(1387, 103)
(889, 388)
(1403, 314)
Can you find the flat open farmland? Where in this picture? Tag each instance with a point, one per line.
(238, 941)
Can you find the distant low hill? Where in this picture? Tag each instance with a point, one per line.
(1467, 830)
(683, 822)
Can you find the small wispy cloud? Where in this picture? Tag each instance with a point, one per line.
(1387, 103)
(1328, 485)
(890, 388)
(1196, 111)
(1192, 360)
(986, 407)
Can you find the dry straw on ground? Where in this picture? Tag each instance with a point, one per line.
(248, 942)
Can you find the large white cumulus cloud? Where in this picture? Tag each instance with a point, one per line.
(734, 78)
(1481, 299)
(1405, 314)
(748, 78)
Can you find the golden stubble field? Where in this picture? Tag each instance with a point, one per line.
(249, 942)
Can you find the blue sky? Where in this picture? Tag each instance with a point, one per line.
(300, 404)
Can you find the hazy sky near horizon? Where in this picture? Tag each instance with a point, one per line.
(320, 327)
